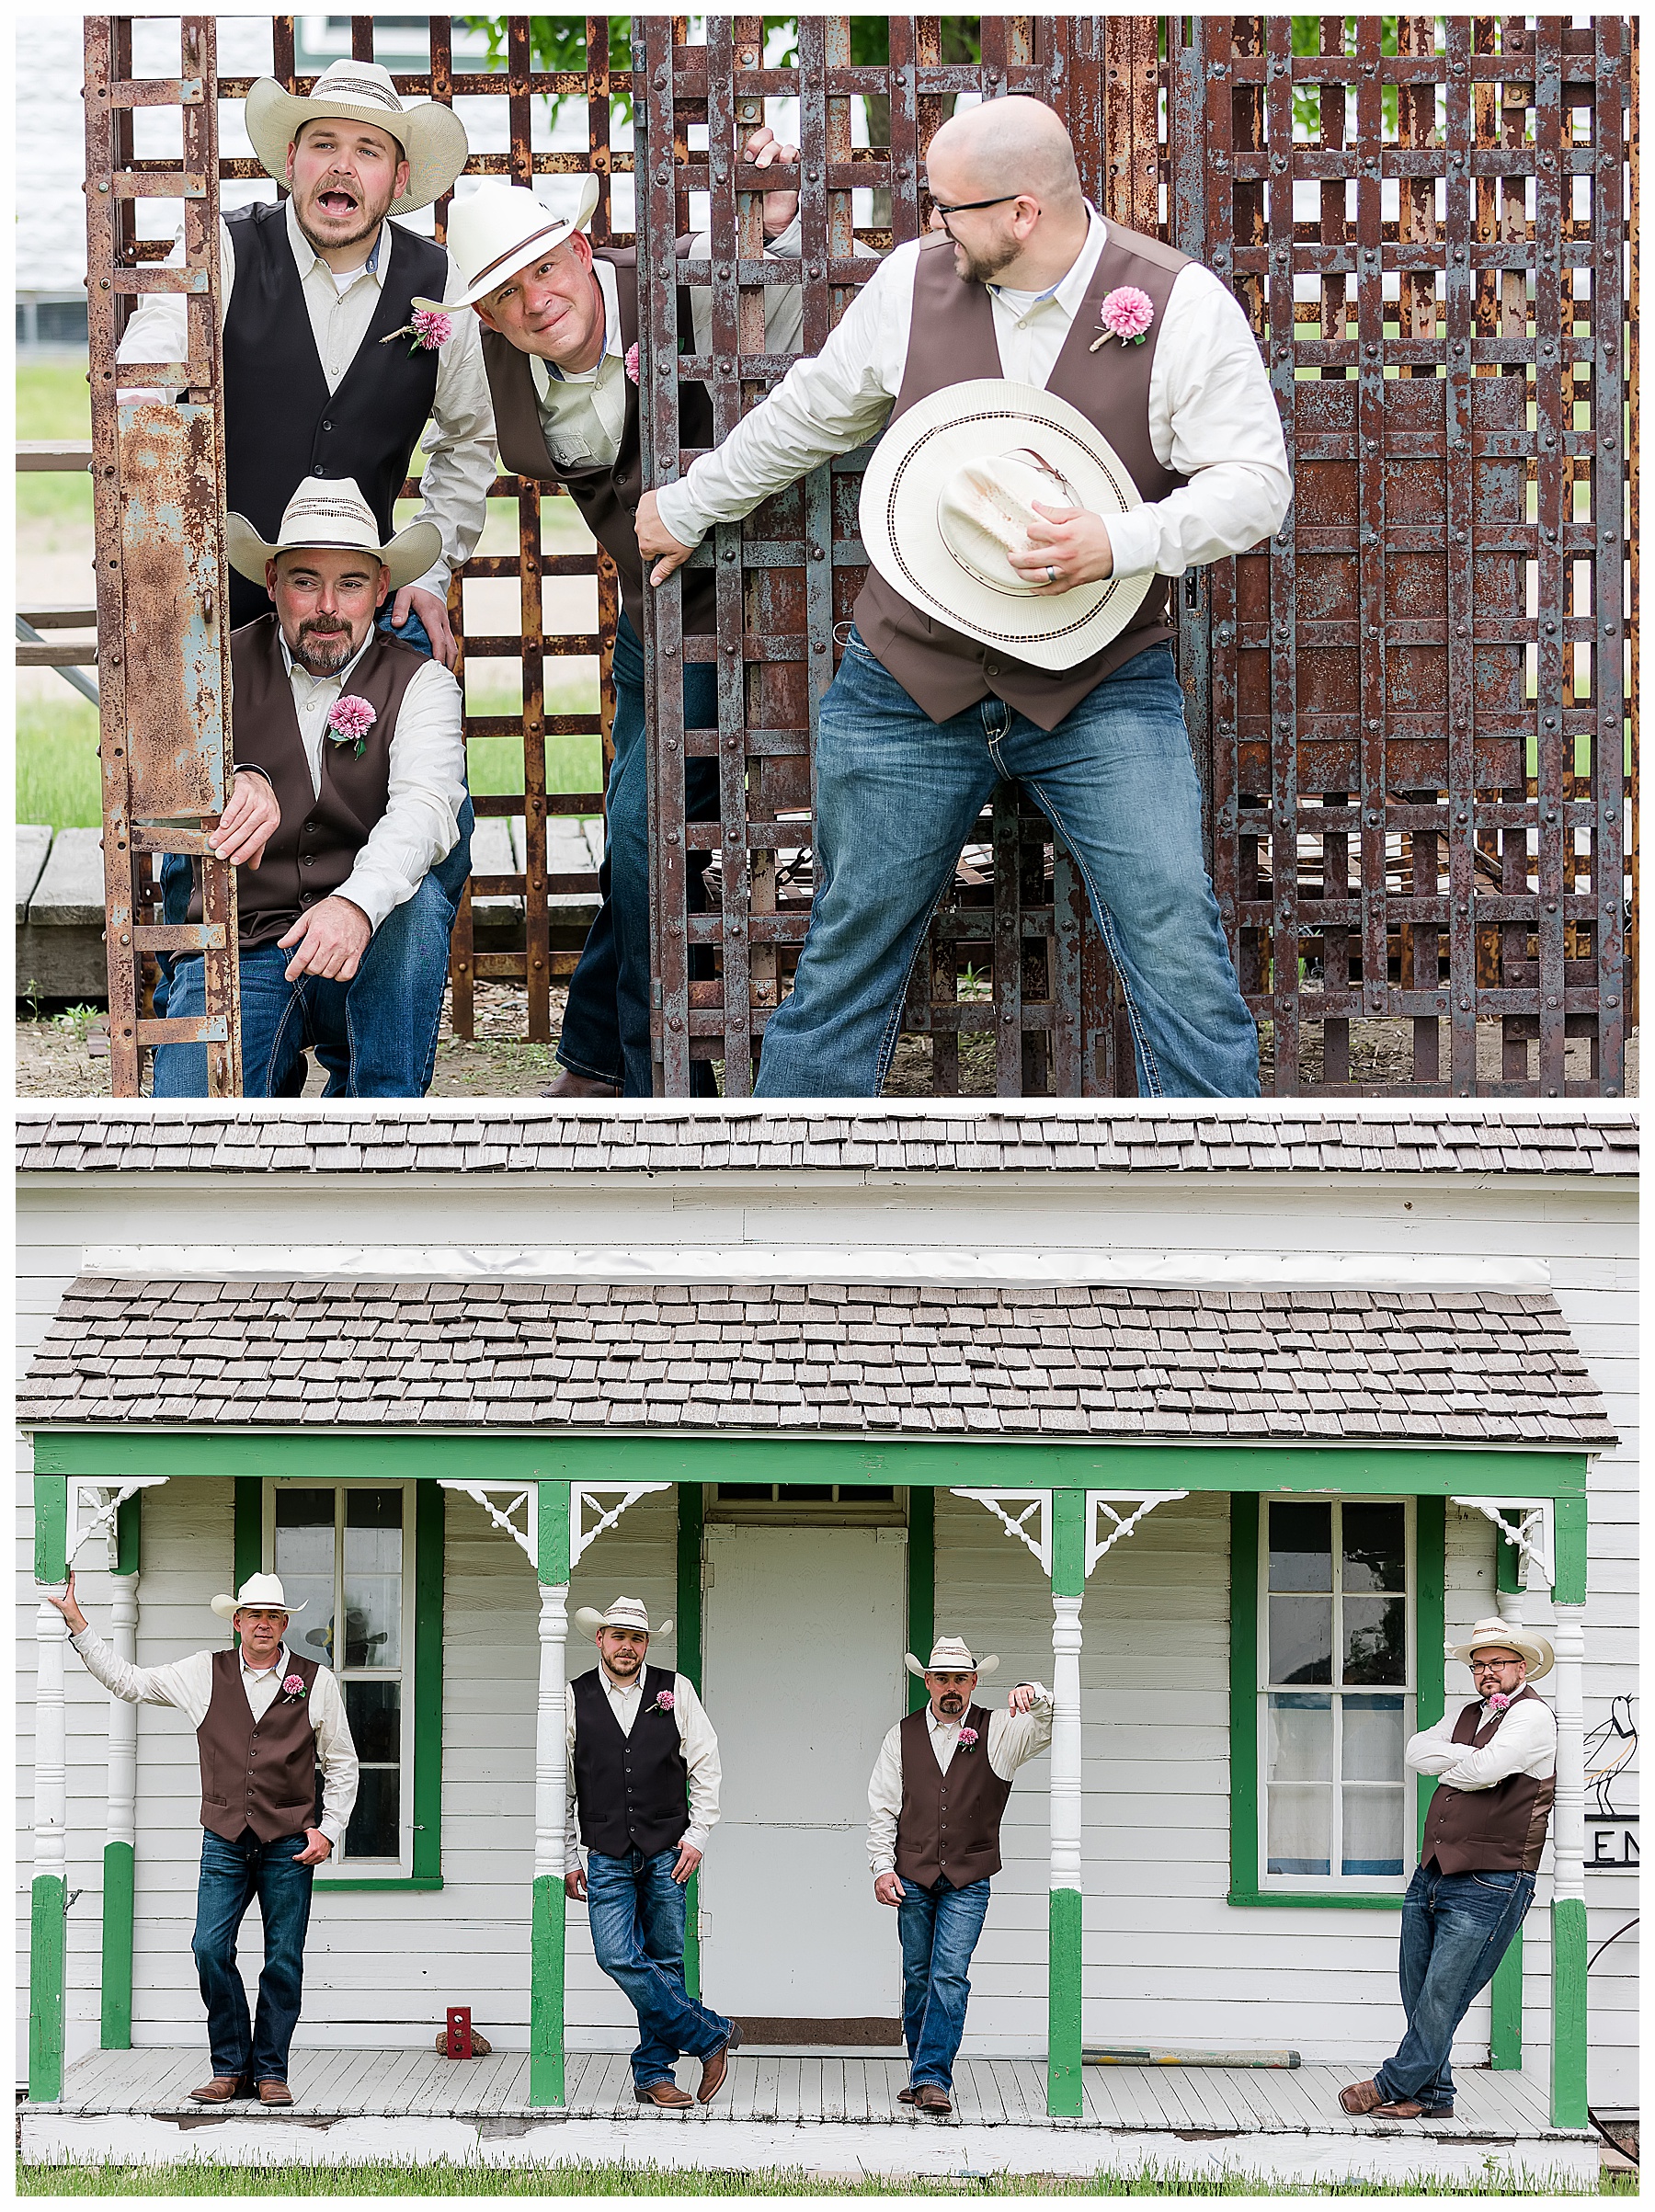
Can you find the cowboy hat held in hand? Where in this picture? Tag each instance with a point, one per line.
(332, 512)
(1495, 1635)
(950, 1655)
(431, 136)
(258, 1589)
(625, 1613)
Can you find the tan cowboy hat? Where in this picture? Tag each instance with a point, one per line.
(950, 1655)
(1497, 1635)
(432, 136)
(949, 494)
(331, 511)
(500, 228)
(258, 1589)
(625, 1613)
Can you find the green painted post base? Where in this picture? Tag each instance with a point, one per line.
(1505, 2008)
(1569, 2012)
(1064, 2101)
(693, 1936)
(46, 1991)
(546, 1993)
(117, 1889)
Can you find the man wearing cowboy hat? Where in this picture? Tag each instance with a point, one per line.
(643, 1797)
(264, 1722)
(345, 920)
(1076, 414)
(560, 345)
(939, 1789)
(1496, 1763)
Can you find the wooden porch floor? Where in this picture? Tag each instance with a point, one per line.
(1190, 2105)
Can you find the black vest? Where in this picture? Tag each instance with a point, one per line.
(280, 424)
(630, 1790)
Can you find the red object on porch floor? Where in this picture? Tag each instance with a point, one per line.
(459, 2031)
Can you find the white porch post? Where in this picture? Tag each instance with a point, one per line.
(121, 1830)
(1568, 1877)
(49, 1896)
(552, 1535)
(1066, 1910)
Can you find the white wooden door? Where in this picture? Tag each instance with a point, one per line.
(804, 1674)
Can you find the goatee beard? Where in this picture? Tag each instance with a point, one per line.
(370, 224)
(323, 655)
(985, 268)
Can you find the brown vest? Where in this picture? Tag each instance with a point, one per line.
(1497, 1830)
(261, 1774)
(949, 1823)
(321, 833)
(951, 341)
(607, 498)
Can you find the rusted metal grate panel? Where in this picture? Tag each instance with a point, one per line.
(1416, 699)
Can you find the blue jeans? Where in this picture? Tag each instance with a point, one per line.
(1456, 1930)
(233, 1875)
(939, 1928)
(637, 1915)
(376, 1035)
(606, 1022)
(897, 795)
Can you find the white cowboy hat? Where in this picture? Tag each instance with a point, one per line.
(950, 1655)
(432, 136)
(500, 228)
(331, 511)
(948, 496)
(1504, 1636)
(258, 1589)
(625, 1613)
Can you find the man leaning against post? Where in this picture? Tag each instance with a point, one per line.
(264, 1722)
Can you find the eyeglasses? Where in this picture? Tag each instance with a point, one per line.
(1493, 1666)
(931, 206)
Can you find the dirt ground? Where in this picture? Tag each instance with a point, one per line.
(66, 1056)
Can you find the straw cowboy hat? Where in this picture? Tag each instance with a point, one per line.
(331, 511)
(1506, 1635)
(949, 494)
(258, 1589)
(431, 136)
(500, 228)
(625, 1613)
(950, 1655)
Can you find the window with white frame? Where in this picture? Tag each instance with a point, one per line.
(1337, 1690)
(344, 1551)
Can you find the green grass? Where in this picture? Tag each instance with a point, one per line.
(54, 401)
(472, 2178)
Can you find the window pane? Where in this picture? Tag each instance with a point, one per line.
(1376, 1548)
(1301, 1548)
(1297, 1816)
(305, 1560)
(1372, 1740)
(1301, 1639)
(811, 1491)
(1372, 1830)
(766, 1490)
(373, 1546)
(373, 1833)
(374, 1712)
(1375, 1640)
(1298, 1743)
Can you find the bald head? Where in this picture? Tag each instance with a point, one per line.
(1015, 144)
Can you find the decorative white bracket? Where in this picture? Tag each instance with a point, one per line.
(1532, 1533)
(518, 1495)
(93, 1507)
(592, 1494)
(1103, 1503)
(1037, 1507)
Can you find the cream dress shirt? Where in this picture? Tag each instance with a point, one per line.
(187, 1685)
(1013, 1738)
(1524, 1743)
(458, 442)
(699, 1743)
(1212, 414)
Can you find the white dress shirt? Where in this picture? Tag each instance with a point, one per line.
(699, 1744)
(186, 1683)
(1212, 414)
(1524, 1743)
(427, 786)
(458, 442)
(1013, 1738)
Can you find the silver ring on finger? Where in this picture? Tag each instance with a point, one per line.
(1051, 575)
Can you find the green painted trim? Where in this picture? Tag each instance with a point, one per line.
(51, 1528)
(378, 1881)
(1569, 1571)
(430, 1528)
(116, 1969)
(1505, 2002)
(1431, 1619)
(546, 1993)
(1068, 1543)
(1508, 1566)
(1569, 2012)
(129, 1535)
(1244, 1700)
(46, 1947)
(247, 1542)
(1064, 2096)
(497, 1456)
(693, 1936)
(552, 1559)
(1239, 1894)
(922, 1585)
(692, 1516)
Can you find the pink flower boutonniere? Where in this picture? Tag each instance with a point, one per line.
(664, 1703)
(968, 1739)
(428, 329)
(349, 719)
(1497, 1704)
(1126, 314)
(632, 363)
(293, 1687)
